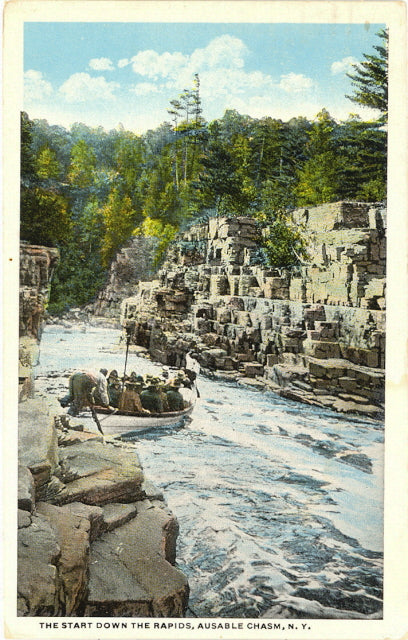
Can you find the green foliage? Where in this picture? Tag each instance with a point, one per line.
(82, 167)
(370, 78)
(361, 148)
(27, 158)
(283, 242)
(47, 165)
(163, 231)
(318, 178)
(118, 222)
(44, 218)
(78, 277)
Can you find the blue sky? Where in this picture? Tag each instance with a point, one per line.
(104, 74)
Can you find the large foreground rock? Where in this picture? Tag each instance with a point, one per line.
(98, 473)
(72, 533)
(37, 440)
(129, 572)
(38, 555)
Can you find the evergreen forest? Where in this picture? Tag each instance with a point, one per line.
(87, 191)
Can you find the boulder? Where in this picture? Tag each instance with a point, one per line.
(116, 514)
(26, 489)
(38, 553)
(72, 533)
(96, 473)
(67, 437)
(252, 369)
(129, 573)
(37, 440)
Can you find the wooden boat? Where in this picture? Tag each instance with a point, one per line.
(121, 422)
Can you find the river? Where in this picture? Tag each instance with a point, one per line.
(280, 504)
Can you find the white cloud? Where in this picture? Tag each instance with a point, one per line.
(153, 65)
(343, 66)
(123, 63)
(36, 88)
(295, 82)
(144, 88)
(225, 51)
(80, 87)
(222, 82)
(101, 64)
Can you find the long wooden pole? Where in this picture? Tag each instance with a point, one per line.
(95, 417)
(126, 358)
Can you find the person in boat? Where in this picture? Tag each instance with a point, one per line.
(114, 392)
(130, 398)
(113, 376)
(185, 387)
(162, 389)
(192, 370)
(88, 388)
(175, 400)
(192, 367)
(150, 397)
(165, 373)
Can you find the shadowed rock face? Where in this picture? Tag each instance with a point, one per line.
(271, 325)
(37, 577)
(37, 265)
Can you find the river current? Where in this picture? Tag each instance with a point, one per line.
(280, 504)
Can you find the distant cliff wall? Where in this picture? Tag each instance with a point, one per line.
(37, 265)
(134, 262)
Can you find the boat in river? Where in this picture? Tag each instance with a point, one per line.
(121, 422)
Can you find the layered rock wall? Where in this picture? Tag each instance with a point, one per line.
(37, 265)
(134, 262)
(316, 333)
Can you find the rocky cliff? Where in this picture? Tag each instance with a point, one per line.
(95, 537)
(37, 265)
(315, 333)
(134, 262)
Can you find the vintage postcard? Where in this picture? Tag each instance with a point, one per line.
(205, 320)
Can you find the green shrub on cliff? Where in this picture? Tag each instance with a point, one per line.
(283, 241)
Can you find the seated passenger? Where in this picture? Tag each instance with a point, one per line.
(114, 392)
(162, 389)
(130, 399)
(151, 398)
(174, 398)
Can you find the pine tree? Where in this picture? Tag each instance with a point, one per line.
(370, 78)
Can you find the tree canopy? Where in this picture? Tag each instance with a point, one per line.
(88, 191)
